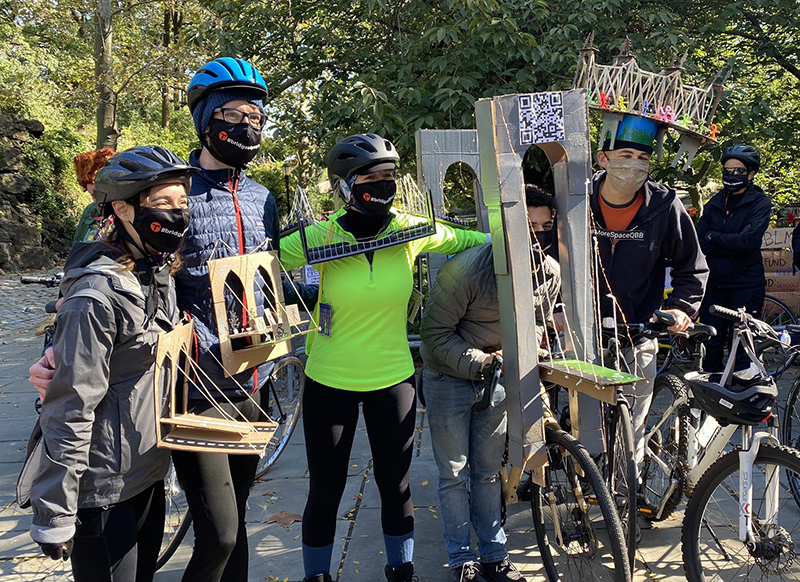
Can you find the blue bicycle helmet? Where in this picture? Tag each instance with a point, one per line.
(224, 73)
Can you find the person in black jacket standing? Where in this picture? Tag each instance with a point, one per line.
(730, 233)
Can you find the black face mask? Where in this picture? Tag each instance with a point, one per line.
(544, 238)
(374, 198)
(733, 184)
(162, 229)
(233, 144)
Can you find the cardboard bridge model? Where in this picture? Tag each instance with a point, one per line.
(558, 123)
(265, 335)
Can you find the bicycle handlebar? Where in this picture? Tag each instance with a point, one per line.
(46, 280)
(729, 314)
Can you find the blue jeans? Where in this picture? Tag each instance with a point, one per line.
(468, 448)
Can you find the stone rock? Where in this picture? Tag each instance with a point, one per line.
(10, 159)
(14, 183)
(34, 127)
(23, 236)
(34, 258)
(4, 236)
(5, 254)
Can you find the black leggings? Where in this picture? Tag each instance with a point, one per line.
(216, 487)
(329, 422)
(120, 543)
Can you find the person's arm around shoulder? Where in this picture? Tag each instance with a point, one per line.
(447, 304)
(85, 332)
(448, 240)
(689, 267)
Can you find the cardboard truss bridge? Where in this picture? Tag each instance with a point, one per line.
(265, 331)
(178, 429)
(623, 88)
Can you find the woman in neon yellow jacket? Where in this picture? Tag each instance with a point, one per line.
(361, 355)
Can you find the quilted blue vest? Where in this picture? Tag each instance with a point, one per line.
(223, 221)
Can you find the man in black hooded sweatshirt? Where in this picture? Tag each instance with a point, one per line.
(730, 233)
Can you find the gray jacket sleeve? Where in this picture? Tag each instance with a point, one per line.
(446, 306)
(84, 338)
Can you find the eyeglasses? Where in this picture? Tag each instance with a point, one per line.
(256, 119)
(734, 171)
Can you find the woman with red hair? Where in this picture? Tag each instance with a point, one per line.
(86, 166)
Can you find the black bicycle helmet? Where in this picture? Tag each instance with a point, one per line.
(359, 152)
(748, 402)
(745, 154)
(224, 73)
(128, 173)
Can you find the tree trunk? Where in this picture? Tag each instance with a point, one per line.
(107, 131)
(164, 87)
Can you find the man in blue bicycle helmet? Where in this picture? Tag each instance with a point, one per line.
(232, 215)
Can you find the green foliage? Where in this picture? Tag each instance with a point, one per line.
(55, 195)
(179, 137)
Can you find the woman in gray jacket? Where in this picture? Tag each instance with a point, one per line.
(98, 492)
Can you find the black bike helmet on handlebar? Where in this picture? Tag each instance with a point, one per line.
(134, 170)
(359, 152)
(750, 402)
(745, 154)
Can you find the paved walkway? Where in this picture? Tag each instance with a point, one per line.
(275, 553)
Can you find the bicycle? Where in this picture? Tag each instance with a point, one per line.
(715, 548)
(574, 540)
(667, 433)
(621, 469)
(683, 439)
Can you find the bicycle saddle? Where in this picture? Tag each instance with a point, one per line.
(750, 402)
(701, 329)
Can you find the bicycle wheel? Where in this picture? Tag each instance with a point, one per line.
(667, 439)
(177, 519)
(791, 432)
(710, 536)
(776, 312)
(577, 540)
(283, 394)
(776, 358)
(623, 481)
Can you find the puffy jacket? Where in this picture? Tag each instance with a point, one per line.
(634, 260)
(368, 347)
(737, 225)
(461, 322)
(228, 218)
(98, 420)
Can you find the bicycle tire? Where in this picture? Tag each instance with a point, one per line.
(594, 541)
(664, 357)
(284, 391)
(790, 432)
(776, 312)
(671, 446)
(177, 518)
(622, 464)
(701, 517)
(776, 358)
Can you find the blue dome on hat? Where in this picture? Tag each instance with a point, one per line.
(633, 131)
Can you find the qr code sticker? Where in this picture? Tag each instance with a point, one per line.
(541, 118)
